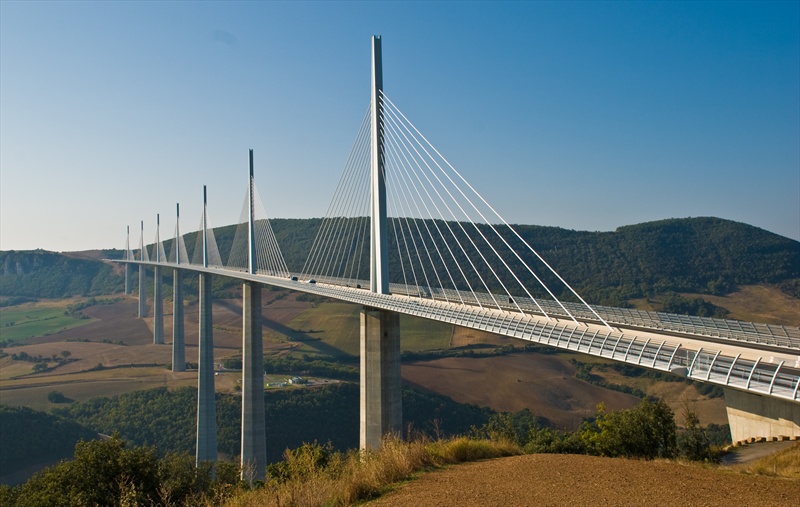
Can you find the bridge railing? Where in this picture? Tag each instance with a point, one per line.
(785, 337)
(779, 380)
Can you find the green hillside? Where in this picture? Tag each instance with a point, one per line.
(28, 437)
(167, 419)
(698, 255)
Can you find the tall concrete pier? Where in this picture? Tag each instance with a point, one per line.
(206, 402)
(178, 343)
(254, 436)
(381, 402)
(128, 257)
(158, 292)
(158, 306)
(142, 281)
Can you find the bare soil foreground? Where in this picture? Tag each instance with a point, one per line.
(554, 480)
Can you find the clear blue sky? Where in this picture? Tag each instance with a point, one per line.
(585, 116)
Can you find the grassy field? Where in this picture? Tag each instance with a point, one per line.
(758, 303)
(753, 303)
(332, 329)
(37, 319)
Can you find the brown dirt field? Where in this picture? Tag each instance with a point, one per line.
(545, 384)
(463, 337)
(116, 322)
(758, 303)
(552, 480)
(83, 386)
(129, 363)
(709, 410)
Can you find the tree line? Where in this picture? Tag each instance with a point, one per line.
(702, 255)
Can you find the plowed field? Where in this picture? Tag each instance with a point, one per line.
(550, 480)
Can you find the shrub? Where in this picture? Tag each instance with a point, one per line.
(646, 431)
(57, 397)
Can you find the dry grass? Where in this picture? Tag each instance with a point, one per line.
(351, 478)
(785, 463)
(753, 303)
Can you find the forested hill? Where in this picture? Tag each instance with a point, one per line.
(43, 274)
(706, 255)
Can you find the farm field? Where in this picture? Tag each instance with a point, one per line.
(753, 303)
(758, 303)
(564, 480)
(113, 353)
(332, 329)
(37, 319)
(543, 383)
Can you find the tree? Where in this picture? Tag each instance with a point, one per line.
(645, 431)
(100, 472)
(693, 443)
(56, 397)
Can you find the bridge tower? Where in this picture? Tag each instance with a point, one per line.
(254, 438)
(142, 281)
(178, 342)
(381, 404)
(158, 291)
(128, 257)
(206, 402)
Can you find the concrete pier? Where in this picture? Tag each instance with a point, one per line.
(381, 402)
(158, 306)
(254, 438)
(752, 416)
(178, 342)
(142, 296)
(206, 402)
(128, 288)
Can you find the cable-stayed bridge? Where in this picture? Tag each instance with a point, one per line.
(406, 233)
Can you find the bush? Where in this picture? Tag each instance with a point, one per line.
(57, 397)
(546, 440)
(646, 431)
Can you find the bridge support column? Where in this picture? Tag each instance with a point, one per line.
(178, 343)
(206, 403)
(142, 296)
(254, 436)
(158, 306)
(381, 403)
(128, 289)
(755, 416)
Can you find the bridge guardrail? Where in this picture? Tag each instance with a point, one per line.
(778, 380)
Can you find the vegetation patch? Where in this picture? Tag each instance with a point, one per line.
(36, 319)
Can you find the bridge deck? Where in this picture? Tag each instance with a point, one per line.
(731, 356)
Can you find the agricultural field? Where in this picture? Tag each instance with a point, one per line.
(38, 319)
(113, 353)
(332, 329)
(753, 303)
(758, 303)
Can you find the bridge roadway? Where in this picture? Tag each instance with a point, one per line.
(728, 361)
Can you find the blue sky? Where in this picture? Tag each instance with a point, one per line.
(579, 115)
